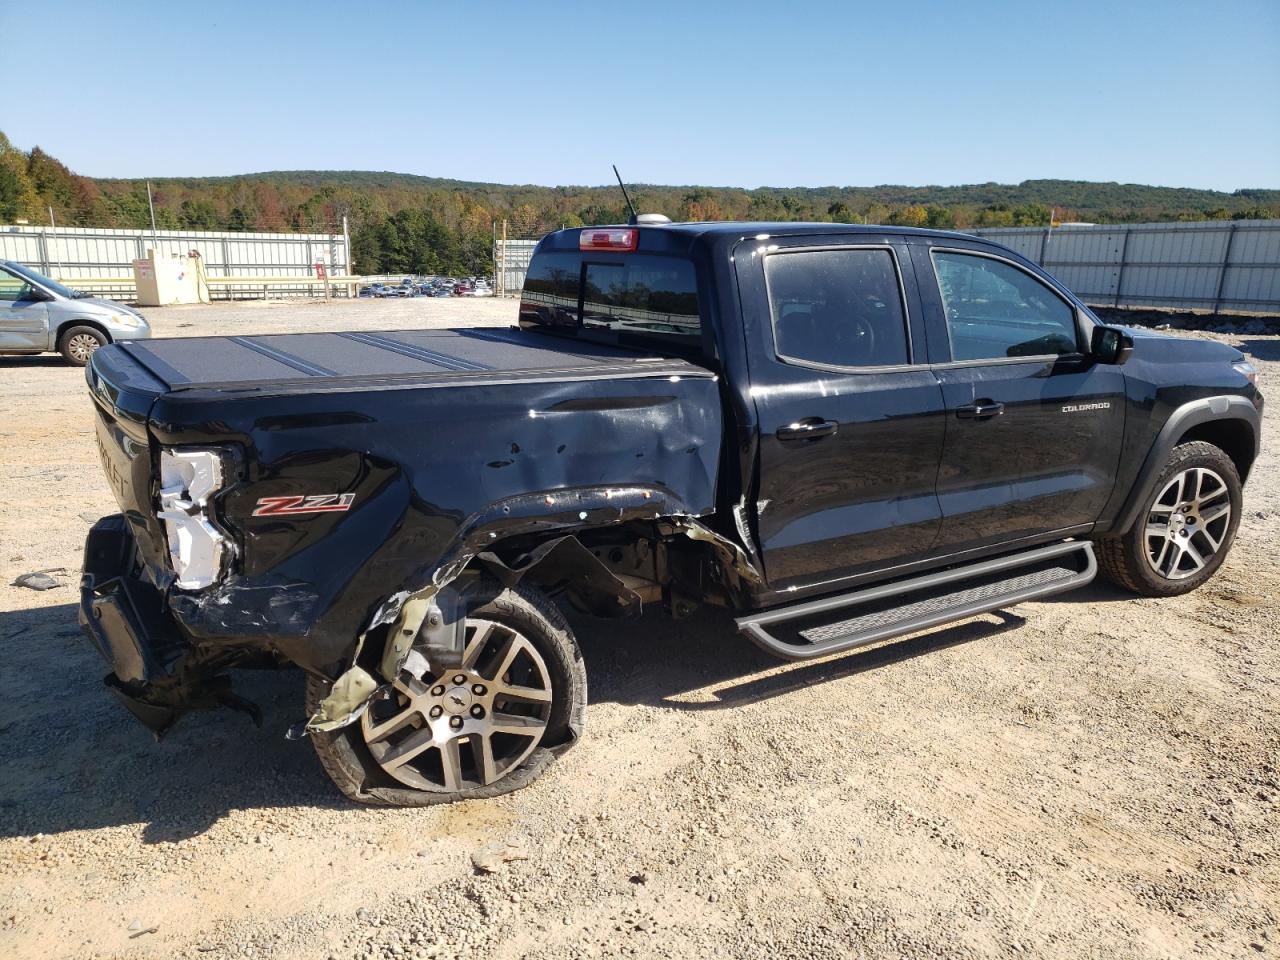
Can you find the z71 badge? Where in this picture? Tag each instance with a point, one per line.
(317, 503)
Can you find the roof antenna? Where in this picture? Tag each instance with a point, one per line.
(631, 206)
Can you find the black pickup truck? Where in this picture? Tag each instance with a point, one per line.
(838, 434)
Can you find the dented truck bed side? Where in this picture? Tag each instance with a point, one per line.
(433, 463)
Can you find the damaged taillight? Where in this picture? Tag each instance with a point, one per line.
(197, 548)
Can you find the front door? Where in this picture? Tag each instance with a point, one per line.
(24, 319)
(851, 429)
(1034, 428)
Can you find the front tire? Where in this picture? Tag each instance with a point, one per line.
(1186, 529)
(78, 344)
(485, 729)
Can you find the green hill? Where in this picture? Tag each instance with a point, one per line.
(404, 222)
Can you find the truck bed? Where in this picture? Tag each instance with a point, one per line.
(431, 436)
(308, 360)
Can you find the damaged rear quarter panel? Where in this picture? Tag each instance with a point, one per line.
(425, 465)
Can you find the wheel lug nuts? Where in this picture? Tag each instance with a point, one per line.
(479, 690)
(459, 679)
(438, 690)
(436, 711)
(477, 711)
(455, 722)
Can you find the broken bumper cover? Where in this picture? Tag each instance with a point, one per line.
(124, 617)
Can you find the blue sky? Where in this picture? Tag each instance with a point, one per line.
(739, 93)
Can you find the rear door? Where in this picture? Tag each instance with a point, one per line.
(1033, 427)
(851, 425)
(24, 319)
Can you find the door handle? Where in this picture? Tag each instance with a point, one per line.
(810, 428)
(980, 410)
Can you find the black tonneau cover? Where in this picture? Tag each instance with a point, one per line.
(302, 359)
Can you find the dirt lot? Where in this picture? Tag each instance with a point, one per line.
(1094, 776)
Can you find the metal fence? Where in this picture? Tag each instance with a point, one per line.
(82, 255)
(510, 263)
(1217, 266)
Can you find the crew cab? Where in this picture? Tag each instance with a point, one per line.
(836, 434)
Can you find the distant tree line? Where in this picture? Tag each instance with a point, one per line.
(402, 223)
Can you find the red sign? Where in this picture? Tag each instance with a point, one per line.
(319, 270)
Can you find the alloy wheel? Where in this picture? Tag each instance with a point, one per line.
(1187, 524)
(467, 727)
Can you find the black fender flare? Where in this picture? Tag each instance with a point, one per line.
(1192, 414)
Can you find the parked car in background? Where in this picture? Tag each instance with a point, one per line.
(40, 315)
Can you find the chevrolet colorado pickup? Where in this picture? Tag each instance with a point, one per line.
(838, 434)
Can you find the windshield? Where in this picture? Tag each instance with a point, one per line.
(58, 288)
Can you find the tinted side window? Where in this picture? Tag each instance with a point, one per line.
(837, 307)
(550, 295)
(996, 310)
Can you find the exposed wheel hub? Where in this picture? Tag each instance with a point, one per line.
(465, 727)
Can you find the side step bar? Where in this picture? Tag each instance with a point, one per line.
(925, 602)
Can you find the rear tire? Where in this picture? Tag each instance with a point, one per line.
(542, 697)
(1185, 530)
(77, 344)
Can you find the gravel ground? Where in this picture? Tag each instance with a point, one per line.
(1095, 775)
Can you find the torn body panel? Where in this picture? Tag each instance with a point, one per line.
(480, 541)
(439, 471)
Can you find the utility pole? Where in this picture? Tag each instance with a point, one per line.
(53, 227)
(346, 255)
(155, 242)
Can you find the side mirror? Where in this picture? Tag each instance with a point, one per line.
(1110, 345)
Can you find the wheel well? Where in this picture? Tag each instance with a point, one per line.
(68, 324)
(1234, 437)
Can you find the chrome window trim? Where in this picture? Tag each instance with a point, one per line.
(1041, 358)
(835, 367)
(946, 322)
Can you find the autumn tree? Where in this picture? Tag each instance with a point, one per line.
(19, 199)
(912, 216)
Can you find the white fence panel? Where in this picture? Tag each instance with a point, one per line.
(1231, 266)
(80, 255)
(511, 262)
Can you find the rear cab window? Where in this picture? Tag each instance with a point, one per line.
(626, 299)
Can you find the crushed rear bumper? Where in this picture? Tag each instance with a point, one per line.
(155, 671)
